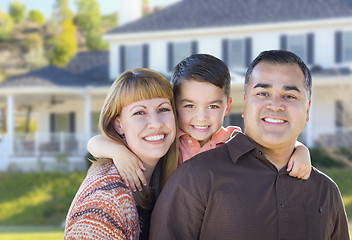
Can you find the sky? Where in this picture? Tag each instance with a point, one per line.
(46, 6)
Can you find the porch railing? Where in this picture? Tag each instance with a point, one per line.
(41, 144)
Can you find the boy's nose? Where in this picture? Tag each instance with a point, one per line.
(202, 114)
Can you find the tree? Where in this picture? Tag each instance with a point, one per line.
(17, 11)
(35, 51)
(89, 20)
(62, 12)
(64, 45)
(6, 26)
(36, 16)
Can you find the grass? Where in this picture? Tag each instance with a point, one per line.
(35, 202)
(31, 233)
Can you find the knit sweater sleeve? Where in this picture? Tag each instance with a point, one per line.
(103, 208)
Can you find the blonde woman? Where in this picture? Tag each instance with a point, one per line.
(139, 112)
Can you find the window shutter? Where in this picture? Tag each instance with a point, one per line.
(248, 51)
(170, 56)
(310, 46)
(225, 51)
(71, 125)
(283, 42)
(146, 56)
(122, 58)
(52, 123)
(194, 47)
(338, 47)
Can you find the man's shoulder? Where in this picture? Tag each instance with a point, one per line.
(322, 179)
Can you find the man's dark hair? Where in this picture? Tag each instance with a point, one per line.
(280, 57)
(203, 68)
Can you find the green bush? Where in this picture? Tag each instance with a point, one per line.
(320, 158)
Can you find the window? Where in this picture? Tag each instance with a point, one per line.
(297, 45)
(237, 55)
(181, 51)
(347, 46)
(134, 57)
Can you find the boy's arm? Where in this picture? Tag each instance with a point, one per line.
(127, 163)
(300, 164)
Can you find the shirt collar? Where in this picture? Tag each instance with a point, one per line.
(239, 145)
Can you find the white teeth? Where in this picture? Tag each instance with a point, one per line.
(271, 120)
(155, 138)
(201, 127)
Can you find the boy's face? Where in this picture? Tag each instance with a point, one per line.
(201, 108)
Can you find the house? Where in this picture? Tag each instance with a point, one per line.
(67, 101)
(66, 104)
(319, 31)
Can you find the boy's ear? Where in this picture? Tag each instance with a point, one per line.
(228, 107)
(117, 126)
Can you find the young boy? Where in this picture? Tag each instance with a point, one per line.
(201, 85)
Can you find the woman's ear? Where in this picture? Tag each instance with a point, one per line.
(117, 126)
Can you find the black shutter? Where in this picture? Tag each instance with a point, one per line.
(225, 51)
(145, 55)
(283, 42)
(122, 58)
(52, 123)
(338, 47)
(194, 47)
(248, 51)
(310, 45)
(72, 126)
(170, 56)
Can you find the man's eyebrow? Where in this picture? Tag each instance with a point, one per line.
(290, 88)
(263, 85)
(287, 88)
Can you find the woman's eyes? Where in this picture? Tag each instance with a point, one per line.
(139, 113)
(164, 109)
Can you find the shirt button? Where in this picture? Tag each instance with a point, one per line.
(282, 205)
(321, 210)
(189, 141)
(260, 152)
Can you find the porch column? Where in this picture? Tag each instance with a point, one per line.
(309, 126)
(10, 124)
(88, 118)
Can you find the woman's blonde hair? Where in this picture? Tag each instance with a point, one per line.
(132, 86)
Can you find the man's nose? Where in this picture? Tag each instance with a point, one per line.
(276, 104)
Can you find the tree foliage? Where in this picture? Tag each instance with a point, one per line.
(6, 26)
(36, 16)
(63, 12)
(17, 11)
(64, 44)
(89, 19)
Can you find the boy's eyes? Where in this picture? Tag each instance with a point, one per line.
(213, 107)
(189, 106)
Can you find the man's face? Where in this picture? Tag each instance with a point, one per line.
(201, 107)
(276, 106)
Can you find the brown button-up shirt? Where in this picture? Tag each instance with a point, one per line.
(234, 192)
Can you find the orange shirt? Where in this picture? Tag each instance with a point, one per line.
(190, 147)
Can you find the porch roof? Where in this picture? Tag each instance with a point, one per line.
(191, 14)
(86, 69)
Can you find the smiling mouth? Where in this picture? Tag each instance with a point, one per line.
(155, 138)
(272, 120)
(200, 127)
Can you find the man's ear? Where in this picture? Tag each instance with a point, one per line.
(117, 126)
(228, 107)
(309, 104)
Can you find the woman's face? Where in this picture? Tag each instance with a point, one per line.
(149, 128)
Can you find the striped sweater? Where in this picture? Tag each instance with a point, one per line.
(103, 207)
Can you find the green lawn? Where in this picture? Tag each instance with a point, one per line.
(31, 233)
(43, 198)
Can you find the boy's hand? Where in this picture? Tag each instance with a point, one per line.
(300, 165)
(131, 172)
